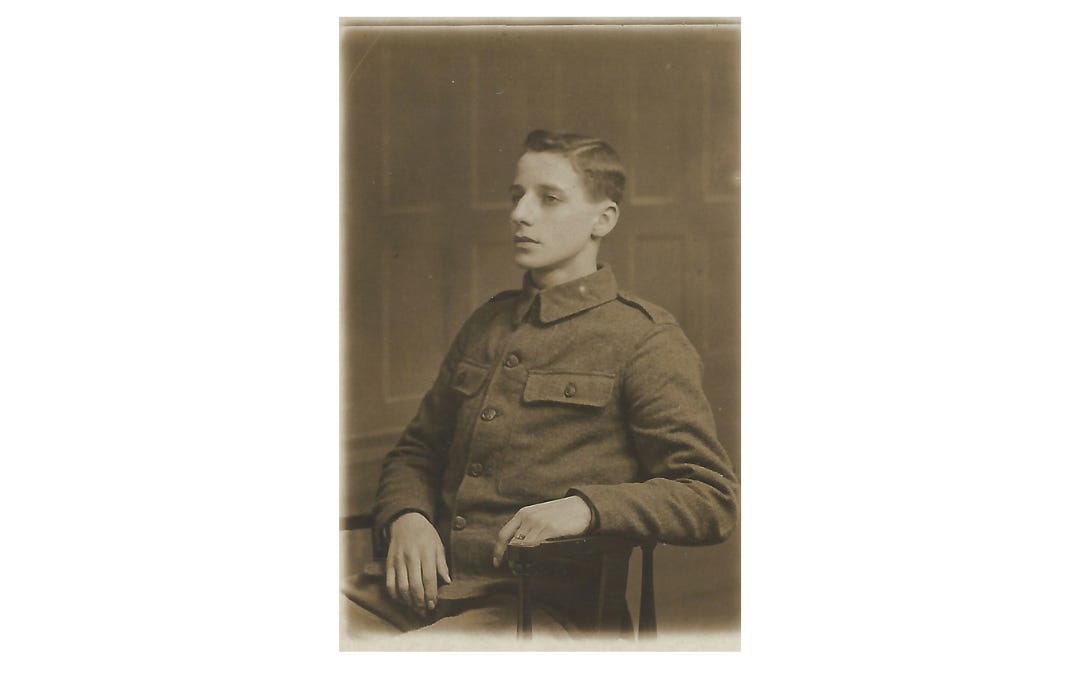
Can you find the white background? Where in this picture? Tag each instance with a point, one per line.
(169, 294)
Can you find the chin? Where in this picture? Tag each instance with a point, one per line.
(524, 262)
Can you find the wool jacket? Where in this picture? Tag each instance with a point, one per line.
(577, 389)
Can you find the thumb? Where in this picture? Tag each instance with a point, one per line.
(503, 538)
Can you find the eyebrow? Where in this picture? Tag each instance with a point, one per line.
(552, 188)
(542, 187)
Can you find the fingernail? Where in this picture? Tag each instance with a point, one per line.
(495, 561)
(431, 605)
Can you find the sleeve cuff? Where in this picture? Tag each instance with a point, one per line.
(594, 524)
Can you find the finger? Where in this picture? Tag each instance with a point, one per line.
(431, 581)
(508, 530)
(532, 537)
(416, 584)
(391, 580)
(503, 538)
(440, 564)
(391, 570)
(518, 539)
(402, 581)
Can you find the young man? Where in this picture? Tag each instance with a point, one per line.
(564, 408)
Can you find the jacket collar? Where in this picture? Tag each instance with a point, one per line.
(567, 299)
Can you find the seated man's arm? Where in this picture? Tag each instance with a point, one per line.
(412, 471)
(689, 492)
(408, 493)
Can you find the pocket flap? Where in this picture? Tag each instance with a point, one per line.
(468, 377)
(586, 389)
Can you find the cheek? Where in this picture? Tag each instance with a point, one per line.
(583, 225)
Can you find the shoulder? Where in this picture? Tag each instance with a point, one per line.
(653, 312)
(660, 337)
(652, 330)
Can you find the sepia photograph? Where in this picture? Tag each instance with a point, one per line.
(540, 334)
(339, 342)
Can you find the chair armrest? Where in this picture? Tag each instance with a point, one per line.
(376, 567)
(536, 559)
(357, 522)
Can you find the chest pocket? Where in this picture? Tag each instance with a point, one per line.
(575, 388)
(468, 378)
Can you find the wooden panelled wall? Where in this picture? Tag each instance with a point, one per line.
(432, 124)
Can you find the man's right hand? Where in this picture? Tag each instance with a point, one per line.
(415, 559)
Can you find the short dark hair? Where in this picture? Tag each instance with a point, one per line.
(596, 161)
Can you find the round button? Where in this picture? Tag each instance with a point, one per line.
(459, 522)
(512, 361)
(460, 378)
(476, 469)
(489, 414)
(570, 389)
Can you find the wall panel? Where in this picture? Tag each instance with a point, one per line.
(658, 113)
(659, 264)
(720, 81)
(514, 91)
(413, 319)
(414, 128)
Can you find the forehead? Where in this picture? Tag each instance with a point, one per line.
(550, 168)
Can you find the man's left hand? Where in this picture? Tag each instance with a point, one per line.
(565, 517)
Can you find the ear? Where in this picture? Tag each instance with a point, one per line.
(606, 220)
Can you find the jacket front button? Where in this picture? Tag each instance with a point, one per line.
(476, 469)
(512, 361)
(459, 522)
(570, 389)
(489, 414)
(460, 378)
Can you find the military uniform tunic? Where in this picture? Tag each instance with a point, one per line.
(576, 389)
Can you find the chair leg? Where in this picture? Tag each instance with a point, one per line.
(647, 612)
(524, 625)
(601, 604)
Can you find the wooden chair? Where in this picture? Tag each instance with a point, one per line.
(549, 558)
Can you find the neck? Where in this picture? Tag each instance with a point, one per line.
(545, 278)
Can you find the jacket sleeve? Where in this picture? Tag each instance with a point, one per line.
(412, 471)
(688, 491)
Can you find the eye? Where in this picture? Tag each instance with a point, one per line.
(514, 198)
(550, 198)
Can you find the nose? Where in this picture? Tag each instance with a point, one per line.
(522, 213)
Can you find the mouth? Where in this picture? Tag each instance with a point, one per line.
(524, 239)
